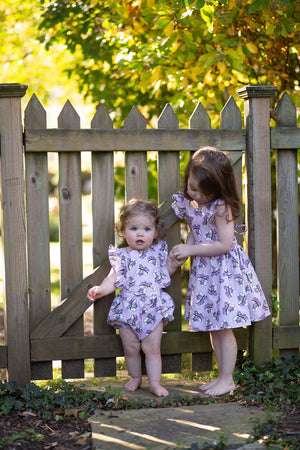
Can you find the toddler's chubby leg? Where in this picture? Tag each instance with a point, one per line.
(151, 348)
(132, 350)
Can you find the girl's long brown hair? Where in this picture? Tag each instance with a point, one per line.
(212, 167)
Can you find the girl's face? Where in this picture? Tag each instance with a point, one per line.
(195, 193)
(139, 232)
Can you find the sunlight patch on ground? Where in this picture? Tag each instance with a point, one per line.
(142, 435)
(102, 437)
(196, 425)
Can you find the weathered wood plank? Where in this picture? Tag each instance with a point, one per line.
(103, 232)
(136, 184)
(168, 182)
(286, 337)
(287, 225)
(70, 229)
(258, 171)
(285, 137)
(54, 140)
(3, 357)
(200, 120)
(231, 119)
(62, 317)
(13, 234)
(37, 213)
(107, 346)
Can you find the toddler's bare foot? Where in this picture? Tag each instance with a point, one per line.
(158, 390)
(206, 386)
(133, 384)
(221, 388)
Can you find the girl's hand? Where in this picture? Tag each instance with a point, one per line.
(181, 252)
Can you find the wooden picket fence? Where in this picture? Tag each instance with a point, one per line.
(35, 334)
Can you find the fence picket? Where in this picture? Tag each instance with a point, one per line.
(103, 232)
(201, 120)
(37, 214)
(70, 229)
(231, 119)
(287, 225)
(136, 184)
(168, 183)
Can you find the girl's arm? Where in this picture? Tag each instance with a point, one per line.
(106, 287)
(225, 232)
(173, 262)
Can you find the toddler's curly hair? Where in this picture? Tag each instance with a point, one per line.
(137, 206)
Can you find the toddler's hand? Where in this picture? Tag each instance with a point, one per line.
(92, 294)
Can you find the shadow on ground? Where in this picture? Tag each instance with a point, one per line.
(189, 427)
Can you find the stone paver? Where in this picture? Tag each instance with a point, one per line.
(172, 427)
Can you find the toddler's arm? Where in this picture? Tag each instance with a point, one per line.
(106, 287)
(173, 263)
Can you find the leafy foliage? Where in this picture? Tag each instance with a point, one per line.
(23, 59)
(275, 384)
(147, 52)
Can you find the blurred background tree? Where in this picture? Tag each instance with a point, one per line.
(23, 59)
(149, 52)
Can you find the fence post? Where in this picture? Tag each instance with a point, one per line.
(14, 234)
(258, 205)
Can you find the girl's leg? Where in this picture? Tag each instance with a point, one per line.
(216, 346)
(151, 348)
(132, 350)
(228, 354)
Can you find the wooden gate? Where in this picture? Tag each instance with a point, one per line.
(36, 335)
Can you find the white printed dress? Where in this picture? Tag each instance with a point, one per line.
(141, 303)
(224, 291)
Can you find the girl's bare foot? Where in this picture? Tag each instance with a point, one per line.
(133, 384)
(158, 390)
(206, 386)
(221, 388)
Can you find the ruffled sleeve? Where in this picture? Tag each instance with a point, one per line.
(117, 260)
(211, 211)
(180, 205)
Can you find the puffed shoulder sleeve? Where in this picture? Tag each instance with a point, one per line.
(211, 211)
(117, 260)
(180, 205)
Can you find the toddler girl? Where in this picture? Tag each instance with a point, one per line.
(224, 292)
(140, 267)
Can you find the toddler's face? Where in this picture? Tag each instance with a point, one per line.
(195, 193)
(139, 232)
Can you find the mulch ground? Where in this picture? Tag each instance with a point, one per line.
(68, 433)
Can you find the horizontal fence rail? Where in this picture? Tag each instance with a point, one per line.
(132, 140)
(54, 140)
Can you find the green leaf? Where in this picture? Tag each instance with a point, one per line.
(257, 5)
